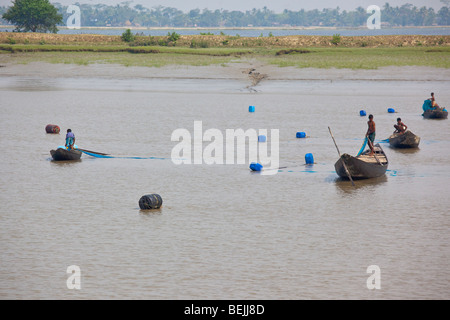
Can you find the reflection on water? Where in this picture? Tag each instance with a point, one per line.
(31, 84)
(151, 213)
(363, 185)
(156, 85)
(405, 151)
(65, 163)
(223, 232)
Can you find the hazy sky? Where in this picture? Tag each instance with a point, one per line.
(243, 5)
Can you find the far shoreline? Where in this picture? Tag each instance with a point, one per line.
(236, 28)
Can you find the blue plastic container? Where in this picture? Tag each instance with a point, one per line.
(391, 110)
(261, 138)
(301, 135)
(362, 113)
(309, 159)
(251, 109)
(254, 166)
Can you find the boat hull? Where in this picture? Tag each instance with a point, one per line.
(61, 154)
(404, 140)
(363, 166)
(435, 114)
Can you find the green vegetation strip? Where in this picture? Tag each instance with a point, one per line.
(122, 58)
(145, 49)
(156, 56)
(363, 58)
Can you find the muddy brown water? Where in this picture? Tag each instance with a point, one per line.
(223, 232)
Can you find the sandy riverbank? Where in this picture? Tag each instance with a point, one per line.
(245, 70)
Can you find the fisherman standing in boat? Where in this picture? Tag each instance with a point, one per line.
(70, 139)
(400, 127)
(371, 133)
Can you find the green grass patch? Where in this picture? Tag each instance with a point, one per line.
(60, 48)
(156, 56)
(292, 51)
(220, 52)
(121, 48)
(122, 58)
(365, 58)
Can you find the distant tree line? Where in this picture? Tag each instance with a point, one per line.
(123, 15)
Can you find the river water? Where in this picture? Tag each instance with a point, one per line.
(223, 232)
(257, 32)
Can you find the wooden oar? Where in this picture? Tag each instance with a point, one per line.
(340, 157)
(373, 148)
(94, 152)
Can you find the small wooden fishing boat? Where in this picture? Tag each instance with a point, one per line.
(363, 166)
(435, 114)
(404, 140)
(62, 154)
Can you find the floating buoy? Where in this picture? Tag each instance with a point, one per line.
(362, 113)
(251, 109)
(391, 110)
(254, 166)
(301, 135)
(309, 159)
(52, 128)
(261, 138)
(150, 201)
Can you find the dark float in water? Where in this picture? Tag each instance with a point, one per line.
(52, 128)
(150, 201)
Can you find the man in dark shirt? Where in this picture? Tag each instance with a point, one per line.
(371, 133)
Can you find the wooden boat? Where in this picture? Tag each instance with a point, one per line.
(435, 114)
(62, 154)
(363, 166)
(404, 140)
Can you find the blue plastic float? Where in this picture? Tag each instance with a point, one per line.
(309, 158)
(254, 166)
